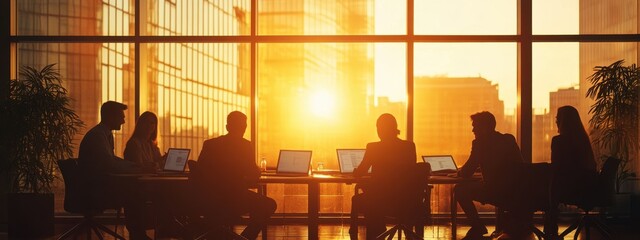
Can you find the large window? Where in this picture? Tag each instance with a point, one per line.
(315, 74)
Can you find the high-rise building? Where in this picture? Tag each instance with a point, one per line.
(298, 81)
(190, 86)
(316, 96)
(193, 86)
(442, 123)
(545, 124)
(442, 108)
(92, 73)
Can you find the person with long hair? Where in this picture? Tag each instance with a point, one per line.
(142, 147)
(573, 164)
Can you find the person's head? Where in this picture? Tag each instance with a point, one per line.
(112, 114)
(146, 126)
(236, 123)
(483, 123)
(568, 121)
(387, 127)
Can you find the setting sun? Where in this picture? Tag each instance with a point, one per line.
(322, 104)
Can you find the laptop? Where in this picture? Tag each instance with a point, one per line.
(293, 163)
(441, 165)
(350, 159)
(175, 161)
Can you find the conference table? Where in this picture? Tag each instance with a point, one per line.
(313, 182)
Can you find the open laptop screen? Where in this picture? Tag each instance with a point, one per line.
(176, 159)
(441, 163)
(349, 159)
(294, 161)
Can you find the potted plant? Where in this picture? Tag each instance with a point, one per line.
(38, 128)
(614, 122)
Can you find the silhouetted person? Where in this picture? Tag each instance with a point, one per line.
(97, 160)
(499, 158)
(572, 162)
(142, 147)
(388, 159)
(226, 169)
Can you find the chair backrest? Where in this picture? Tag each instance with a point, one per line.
(607, 181)
(414, 203)
(75, 194)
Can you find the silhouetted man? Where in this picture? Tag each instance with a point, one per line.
(389, 159)
(499, 158)
(97, 160)
(226, 169)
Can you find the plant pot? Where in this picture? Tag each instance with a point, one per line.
(30, 215)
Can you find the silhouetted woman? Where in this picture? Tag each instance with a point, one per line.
(142, 147)
(572, 162)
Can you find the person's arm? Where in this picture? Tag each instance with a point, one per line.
(250, 171)
(472, 163)
(366, 163)
(559, 154)
(101, 152)
(414, 156)
(203, 161)
(133, 152)
(515, 153)
(158, 158)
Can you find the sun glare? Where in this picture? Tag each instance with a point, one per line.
(322, 104)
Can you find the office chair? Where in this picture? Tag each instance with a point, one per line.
(414, 206)
(536, 186)
(77, 201)
(199, 223)
(600, 197)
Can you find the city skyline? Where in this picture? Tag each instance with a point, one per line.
(313, 95)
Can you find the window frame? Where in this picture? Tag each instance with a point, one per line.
(524, 39)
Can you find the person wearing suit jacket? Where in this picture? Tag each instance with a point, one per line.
(226, 169)
(388, 159)
(498, 156)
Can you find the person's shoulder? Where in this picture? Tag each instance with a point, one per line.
(508, 136)
(210, 142)
(559, 139)
(408, 143)
(94, 131)
(373, 144)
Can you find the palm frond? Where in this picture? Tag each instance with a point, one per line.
(614, 120)
(40, 127)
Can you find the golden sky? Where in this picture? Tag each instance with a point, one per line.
(555, 65)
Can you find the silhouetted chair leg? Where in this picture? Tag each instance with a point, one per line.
(220, 232)
(606, 231)
(400, 229)
(98, 233)
(539, 234)
(89, 226)
(586, 222)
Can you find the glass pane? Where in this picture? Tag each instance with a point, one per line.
(560, 77)
(192, 87)
(557, 17)
(555, 83)
(75, 17)
(453, 81)
(331, 17)
(197, 17)
(93, 74)
(465, 17)
(324, 96)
